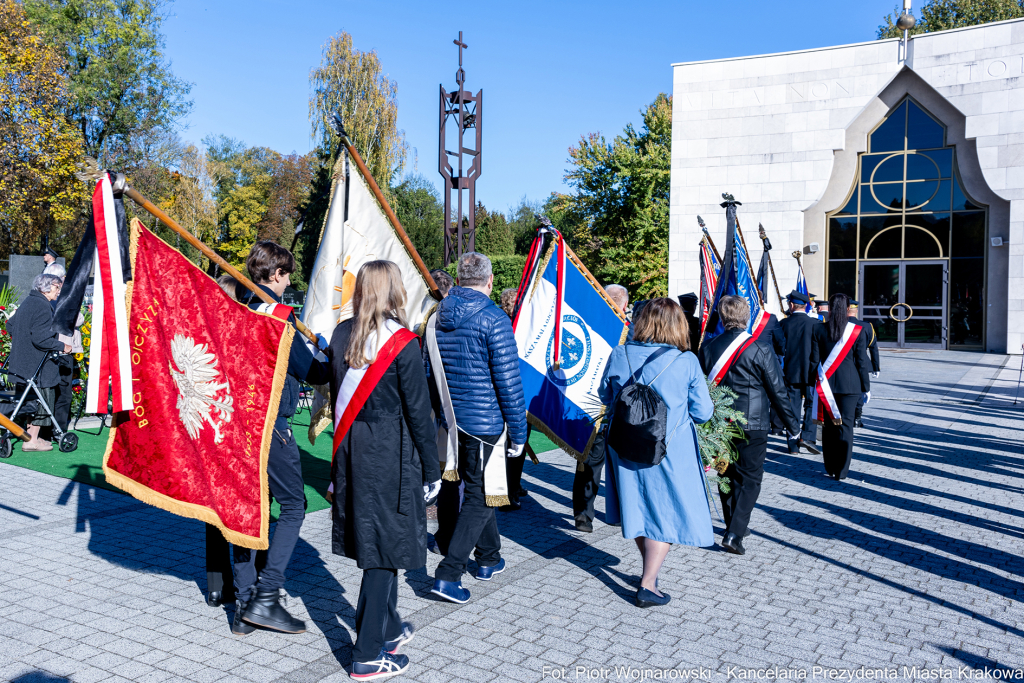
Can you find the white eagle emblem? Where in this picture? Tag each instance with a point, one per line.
(199, 392)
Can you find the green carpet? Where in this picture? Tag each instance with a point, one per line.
(85, 464)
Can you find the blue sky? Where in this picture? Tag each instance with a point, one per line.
(551, 71)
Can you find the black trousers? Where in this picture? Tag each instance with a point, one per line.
(837, 440)
(218, 564)
(447, 514)
(514, 474)
(377, 617)
(62, 402)
(477, 526)
(284, 472)
(587, 482)
(745, 476)
(804, 393)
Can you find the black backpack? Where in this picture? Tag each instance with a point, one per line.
(639, 419)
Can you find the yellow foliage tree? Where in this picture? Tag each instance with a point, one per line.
(39, 149)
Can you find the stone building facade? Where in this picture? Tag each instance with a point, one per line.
(898, 172)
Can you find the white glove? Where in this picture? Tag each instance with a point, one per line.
(875, 375)
(430, 492)
(866, 396)
(516, 450)
(329, 496)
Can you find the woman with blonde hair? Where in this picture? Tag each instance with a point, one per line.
(664, 503)
(384, 454)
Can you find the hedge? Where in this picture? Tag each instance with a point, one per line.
(508, 271)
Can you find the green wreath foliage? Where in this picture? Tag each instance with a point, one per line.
(715, 437)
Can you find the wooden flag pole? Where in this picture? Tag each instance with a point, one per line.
(91, 171)
(434, 291)
(707, 236)
(14, 429)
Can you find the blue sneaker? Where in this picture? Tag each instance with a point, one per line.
(487, 573)
(391, 646)
(384, 666)
(450, 590)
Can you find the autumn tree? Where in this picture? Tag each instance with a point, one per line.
(352, 84)
(39, 150)
(941, 15)
(120, 82)
(290, 178)
(617, 216)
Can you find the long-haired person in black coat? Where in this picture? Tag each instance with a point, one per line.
(382, 462)
(849, 382)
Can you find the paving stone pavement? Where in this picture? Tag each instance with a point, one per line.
(914, 561)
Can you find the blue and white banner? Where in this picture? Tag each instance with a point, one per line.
(563, 403)
(801, 286)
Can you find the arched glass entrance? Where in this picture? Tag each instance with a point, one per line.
(909, 241)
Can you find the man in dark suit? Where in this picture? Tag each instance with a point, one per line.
(689, 303)
(876, 366)
(822, 307)
(798, 373)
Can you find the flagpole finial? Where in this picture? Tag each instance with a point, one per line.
(796, 255)
(729, 200)
(700, 222)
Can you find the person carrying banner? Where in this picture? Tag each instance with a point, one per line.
(662, 504)
(798, 327)
(385, 463)
(748, 367)
(876, 366)
(472, 359)
(258, 598)
(839, 357)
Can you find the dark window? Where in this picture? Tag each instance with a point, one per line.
(968, 234)
(890, 136)
(842, 238)
(966, 301)
(923, 132)
(842, 277)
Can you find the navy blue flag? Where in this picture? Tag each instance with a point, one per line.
(736, 279)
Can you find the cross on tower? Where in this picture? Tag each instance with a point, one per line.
(461, 45)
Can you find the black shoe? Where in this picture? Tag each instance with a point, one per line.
(811, 448)
(746, 533)
(239, 627)
(218, 599)
(733, 544)
(859, 423)
(513, 504)
(583, 524)
(265, 610)
(522, 492)
(646, 598)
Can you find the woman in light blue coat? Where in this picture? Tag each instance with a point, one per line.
(665, 503)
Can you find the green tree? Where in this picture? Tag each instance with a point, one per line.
(39, 150)
(493, 233)
(242, 184)
(617, 217)
(941, 15)
(421, 213)
(121, 84)
(352, 84)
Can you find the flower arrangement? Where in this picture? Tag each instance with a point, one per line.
(8, 296)
(715, 437)
(80, 376)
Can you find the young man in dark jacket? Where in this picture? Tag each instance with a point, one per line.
(755, 376)
(800, 376)
(477, 349)
(258, 602)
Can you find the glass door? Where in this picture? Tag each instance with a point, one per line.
(906, 302)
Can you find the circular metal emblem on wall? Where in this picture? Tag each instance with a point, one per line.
(576, 352)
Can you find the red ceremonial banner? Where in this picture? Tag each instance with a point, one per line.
(207, 374)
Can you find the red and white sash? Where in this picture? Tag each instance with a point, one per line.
(359, 383)
(279, 311)
(110, 352)
(826, 402)
(736, 348)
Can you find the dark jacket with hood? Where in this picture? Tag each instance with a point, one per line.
(757, 380)
(380, 467)
(481, 364)
(31, 338)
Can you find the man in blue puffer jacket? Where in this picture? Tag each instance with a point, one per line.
(478, 350)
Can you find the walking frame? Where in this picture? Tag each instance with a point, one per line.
(67, 441)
